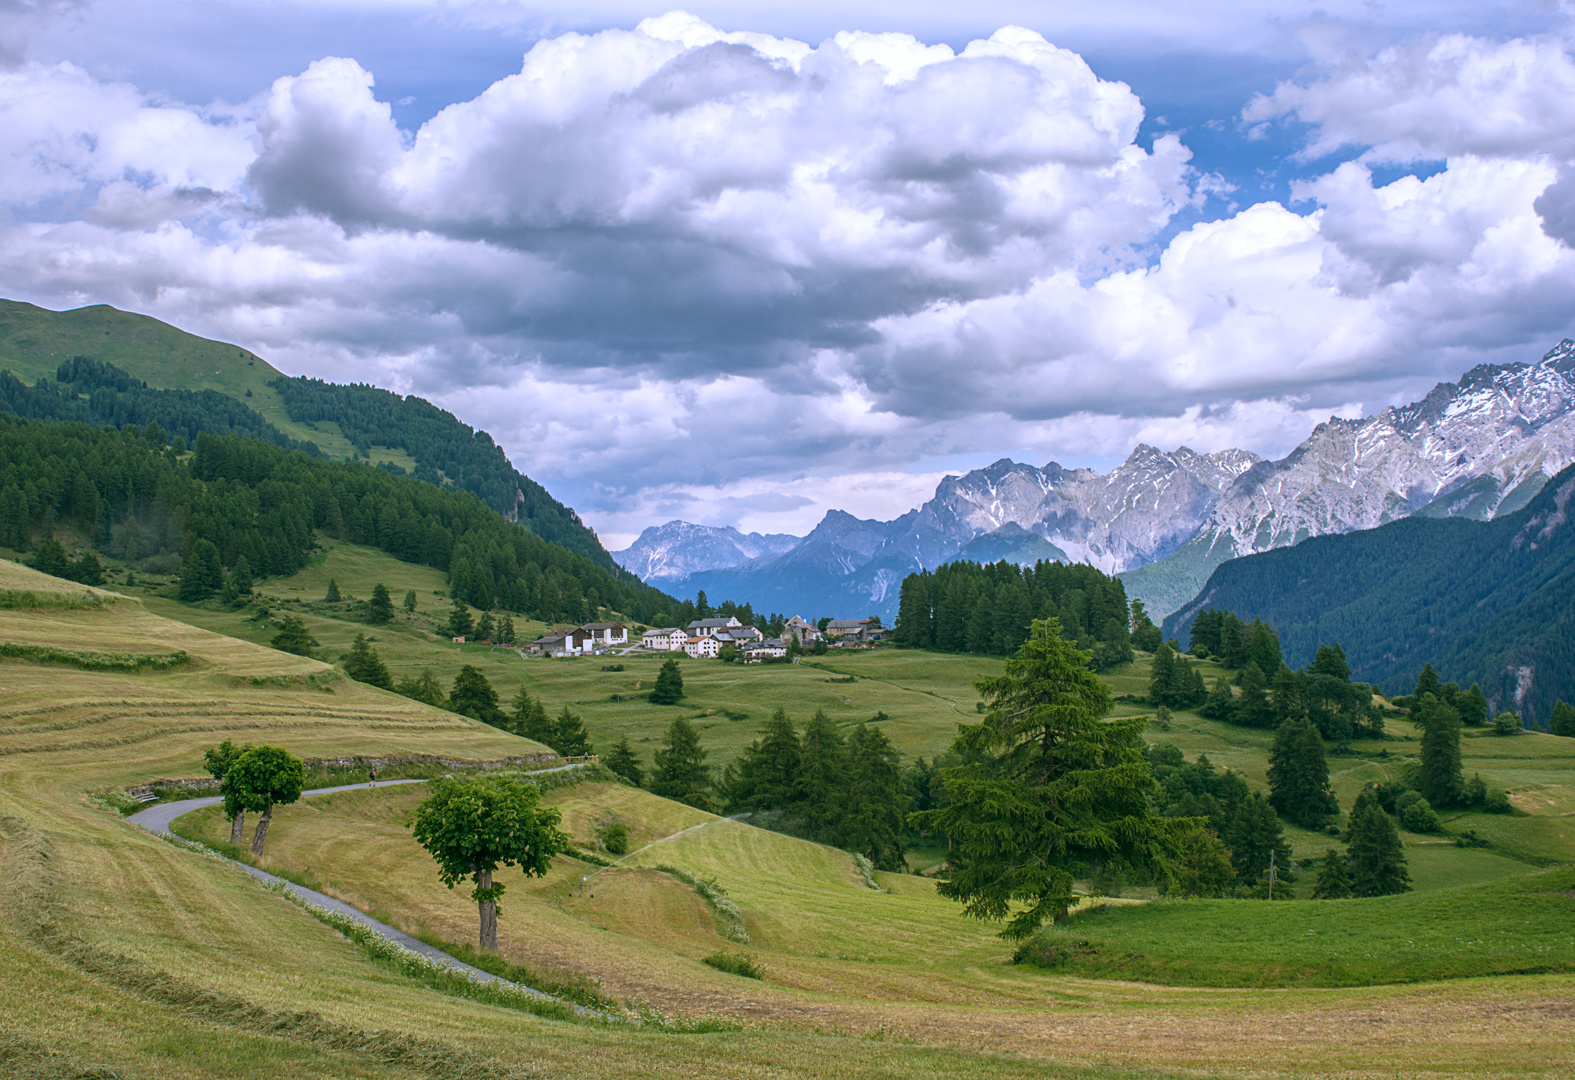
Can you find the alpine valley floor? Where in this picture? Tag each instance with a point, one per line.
(124, 955)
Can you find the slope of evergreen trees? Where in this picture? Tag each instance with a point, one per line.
(1479, 600)
(261, 504)
(986, 609)
(446, 451)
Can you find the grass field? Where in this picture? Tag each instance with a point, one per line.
(122, 952)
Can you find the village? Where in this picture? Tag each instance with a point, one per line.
(723, 638)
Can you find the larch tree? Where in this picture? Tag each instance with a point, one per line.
(820, 789)
(201, 575)
(364, 665)
(260, 779)
(681, 771)
(472, 828)
(877, 802)
(767, 768)
(1440, 778)
(1051, 787)
(294, 637)
(622, 761)
(569, 736)
(474, 696)
(1334, 877)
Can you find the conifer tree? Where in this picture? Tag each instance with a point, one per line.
(1253, 708)
(1440, 779)
(486, 628)
(459, 624)
(1330, 660)
(767, 768)
(621, 761)
(528, 716)
(425, 688)
(1052, 786)
(410, 601)
(820, 787)
(474, 696)
(569, 734)
(1299, 776)
(506, 630)
(1334, 878)
(1377, 859)
(878, 801)
(332, 596)
(380, 609)
(669, 688)
(1427, 683)
(1263, 647)
(200, 575)
(294, 637)
(364, 665)
(1254, 832)
(681, 772)
(1162, 675)
(1562, 719)
(1145, 635)
(243, 577)
(51, 559)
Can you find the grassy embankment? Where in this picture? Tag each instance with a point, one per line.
(34, 342)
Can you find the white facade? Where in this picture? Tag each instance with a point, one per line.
(702, 648)
(668, 639)
(708, 627)
(607, 633)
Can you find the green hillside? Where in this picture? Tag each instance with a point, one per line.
(1491, 603)
(343, 422)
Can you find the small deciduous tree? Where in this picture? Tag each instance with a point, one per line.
(260, 779)
(380, 609)
(218, 760)
(1052, 786)
(681, 771)
(621, 761)
(1506, 723)
(364, 665)
(410, 601)
(669, 688)
(294, 637)
(1562, 720)
(472, 828)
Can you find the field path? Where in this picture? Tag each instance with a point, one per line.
(157, 819)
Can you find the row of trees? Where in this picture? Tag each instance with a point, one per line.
(986, 609)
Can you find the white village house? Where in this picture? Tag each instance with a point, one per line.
(667, 639)
(709, 627)
(702, 648)
(607, 633)
(569, 641)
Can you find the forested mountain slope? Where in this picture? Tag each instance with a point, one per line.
(342, 422)
(1484, 602)
(262, 503)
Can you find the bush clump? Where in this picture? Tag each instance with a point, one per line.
(736, 964)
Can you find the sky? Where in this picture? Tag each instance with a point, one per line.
(740, 264)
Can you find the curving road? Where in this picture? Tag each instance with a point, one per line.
(157, 819)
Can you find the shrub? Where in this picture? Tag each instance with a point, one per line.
(1506, 723)
(1497, 802)
(615, 838)
(736, 964)
(1418, 816)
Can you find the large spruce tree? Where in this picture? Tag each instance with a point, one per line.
(877, 801)
(767, 769)
(1254, 833)
(380, 609)
(622, 761)
(681, 771)
(1299, 776)
(669, 688)
(364, 665)
(1440, 778)
(1051, 787)
(820, 790)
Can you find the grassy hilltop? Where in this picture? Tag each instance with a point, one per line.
(124, 953)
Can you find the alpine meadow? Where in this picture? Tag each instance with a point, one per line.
(955, 542)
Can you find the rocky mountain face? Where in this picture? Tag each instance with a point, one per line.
(678, 549)
(1479, 448)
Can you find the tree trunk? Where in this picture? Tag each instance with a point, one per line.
(237, 827)
(489, 913)
(262, 831)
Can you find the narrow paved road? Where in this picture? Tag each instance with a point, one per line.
(158, 818)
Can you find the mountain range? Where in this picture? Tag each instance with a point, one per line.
(1486, 602)
(1478, 448)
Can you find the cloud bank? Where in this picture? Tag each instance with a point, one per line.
(733, 277)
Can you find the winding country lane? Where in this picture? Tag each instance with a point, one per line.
(157, 819)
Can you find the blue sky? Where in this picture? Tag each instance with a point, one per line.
(743, 266)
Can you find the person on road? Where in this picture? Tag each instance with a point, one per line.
(373, 781)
